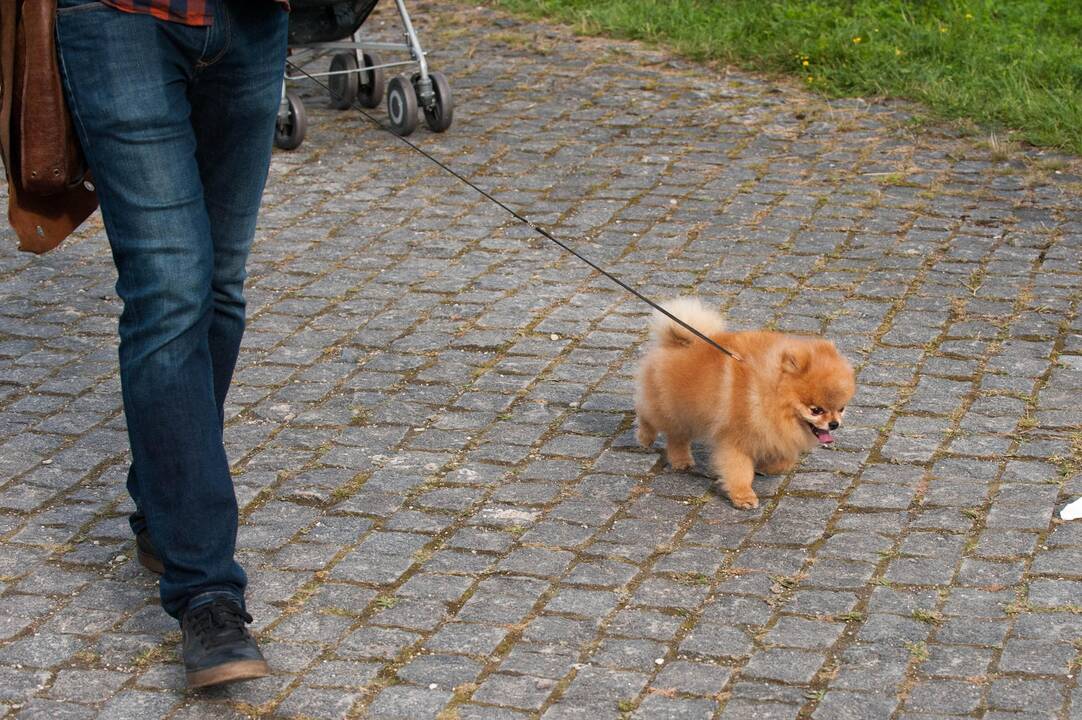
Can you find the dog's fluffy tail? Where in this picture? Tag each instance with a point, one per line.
(692, 311)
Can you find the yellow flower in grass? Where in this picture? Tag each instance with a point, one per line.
(897, 52)
(969, 16)
(856, 40)
(805, 63)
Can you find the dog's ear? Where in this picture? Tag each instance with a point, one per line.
(794, 360)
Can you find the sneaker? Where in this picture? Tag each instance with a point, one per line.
(218, 647)
(147, 555)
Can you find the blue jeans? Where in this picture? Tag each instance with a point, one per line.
(177, 124)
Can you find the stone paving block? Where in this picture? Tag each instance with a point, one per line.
(893, 630)
(999, 543)
(698, 561)
(466, 638)
(664, 708)
(716, 641)
(477, 712)
(1055, 593)
(838, 574)
(125, 649)
(920, 571)
(876, 496)
(693, 678)
(139, 704)
(18, 685)
(821, 602)
(502, 600)
(405, 702)
(18, 612)
(571, 711)
(558, 534)
(341, 599)
(1036, 657)
(1029, 695)
(872, 667)
(944, 696)
(537, 561)
(39, 709)
(796, 521)
(544, 661)
(88, 686)
(430, 586)
(845, 705)
(970, 631)
(583, 603)
(884, 522)
(380, 558)
(374, 642)
(957, 661)
(661, 592)
(640, 655)
(737, 609)
(783, 665)
(974, 602)
(323, 703)
(289, 657)
(311, 627)
(1056, 562)
(446, 671)
(517, 691)
(604, 573)
(553, 629)
(42, 650)
(800, 633)
(739, 709)
(341, 673)
(471, 538)
(602, 689)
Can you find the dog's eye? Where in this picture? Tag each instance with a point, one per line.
(815, 410)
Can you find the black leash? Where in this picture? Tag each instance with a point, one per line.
(536, 228)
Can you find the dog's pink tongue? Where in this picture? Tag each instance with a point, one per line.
(823, 436)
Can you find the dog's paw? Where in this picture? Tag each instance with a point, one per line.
(681, 463)
(744, 501)
(645, 438)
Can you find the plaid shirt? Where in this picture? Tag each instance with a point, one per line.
(188, 12)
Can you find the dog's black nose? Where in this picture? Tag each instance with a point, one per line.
(833, 424)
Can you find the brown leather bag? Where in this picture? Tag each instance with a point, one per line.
(49, 191)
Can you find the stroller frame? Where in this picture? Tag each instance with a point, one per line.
(355, 44)
(424, 90)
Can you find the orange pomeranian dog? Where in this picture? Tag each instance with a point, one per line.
(784, 396)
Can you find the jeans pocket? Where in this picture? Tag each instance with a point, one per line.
(63, 7)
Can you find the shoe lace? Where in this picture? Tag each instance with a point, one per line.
(220, 621)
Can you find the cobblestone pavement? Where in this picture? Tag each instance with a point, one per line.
(445, 515)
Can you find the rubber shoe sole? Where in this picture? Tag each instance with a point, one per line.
(150, 562)
(228, 672)
(148, 558)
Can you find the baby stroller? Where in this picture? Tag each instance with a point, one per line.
(356, 70)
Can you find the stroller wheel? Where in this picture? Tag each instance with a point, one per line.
(370, 92)
(292, 123)
(343, 87)
(442, 109)
(402, 105)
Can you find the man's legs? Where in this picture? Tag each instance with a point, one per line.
(135, 90)
(234, 107)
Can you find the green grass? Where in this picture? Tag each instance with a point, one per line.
(1014, 64)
